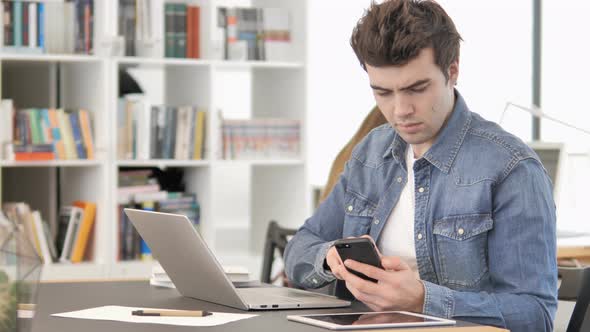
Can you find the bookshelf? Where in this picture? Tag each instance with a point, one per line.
(237, 197)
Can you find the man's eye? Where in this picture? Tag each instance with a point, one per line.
(383, 94)
(418, 90)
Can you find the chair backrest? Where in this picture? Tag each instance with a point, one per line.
(276, 239)
(575, 285)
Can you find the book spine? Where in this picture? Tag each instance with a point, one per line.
(197, 32)
(17, 14)
(169, 12)
(8, 24)
(25, 22)
(190, 30)
(88, 27)
(86, 133)
(77, 134)
(32, 24)
(180, 27)
(154, 132)
(67, 137)
(45, 126)
(41, 24)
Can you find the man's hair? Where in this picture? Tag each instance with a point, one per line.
(394, 32)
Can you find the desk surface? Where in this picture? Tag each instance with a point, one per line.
(64, 297)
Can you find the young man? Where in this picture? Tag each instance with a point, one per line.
(461, 211)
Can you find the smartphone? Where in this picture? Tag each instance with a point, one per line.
(361, 250)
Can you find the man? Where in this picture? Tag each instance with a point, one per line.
(461, 211)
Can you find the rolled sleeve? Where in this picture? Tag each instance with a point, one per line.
(438, 300)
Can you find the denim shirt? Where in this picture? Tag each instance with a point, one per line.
(484, 224)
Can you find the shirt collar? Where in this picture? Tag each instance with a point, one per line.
(444, 150)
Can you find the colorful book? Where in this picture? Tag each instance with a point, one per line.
(84, 230)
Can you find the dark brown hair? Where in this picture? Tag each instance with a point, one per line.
(394, 32)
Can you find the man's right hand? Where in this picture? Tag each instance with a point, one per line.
(335, 263)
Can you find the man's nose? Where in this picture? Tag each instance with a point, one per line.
(403, 108)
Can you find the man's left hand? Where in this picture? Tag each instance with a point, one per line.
(397, 287)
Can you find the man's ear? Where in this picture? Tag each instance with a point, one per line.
(453, 72)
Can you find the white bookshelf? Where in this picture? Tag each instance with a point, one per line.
(237, 198)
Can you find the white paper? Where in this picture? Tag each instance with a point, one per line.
(123, 314)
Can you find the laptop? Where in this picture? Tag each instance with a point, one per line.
(196, 273)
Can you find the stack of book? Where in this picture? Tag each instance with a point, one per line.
(47, 134)
(51, 27)
(74, 231)
(182, 30)
(254, 33)
(139, 21)
(238, 275)
(71, 244)
(139, 191)
(159, 132)
(261, 139)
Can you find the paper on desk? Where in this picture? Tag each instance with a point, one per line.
(123, 314)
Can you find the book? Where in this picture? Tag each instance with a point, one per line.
(70, 218)
(199, 136)
(180, 30)
(32, 24)
(84, 230)
(6, 126)
(42, 240)
(169, 26)
(65, 129)
(127, 25)
(86, 127)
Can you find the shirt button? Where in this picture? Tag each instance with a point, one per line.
(350, 208)
(421, 190)
(376, 222)
(419, 236)
(399, 179)
(315, 281)
(461, 231)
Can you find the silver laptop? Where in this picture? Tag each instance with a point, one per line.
(195, 272)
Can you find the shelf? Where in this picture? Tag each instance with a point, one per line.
(52, 163)
(222, 64)
(263, 162)
(257, 64)
(162, 61)
(49, 58)
(66, 272)
(162, 163)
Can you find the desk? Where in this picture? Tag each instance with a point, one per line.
(64, 297)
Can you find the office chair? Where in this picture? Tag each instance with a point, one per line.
(276, 238)
(575, 286)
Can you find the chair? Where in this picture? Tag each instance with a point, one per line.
(276, 238)
(575, 286)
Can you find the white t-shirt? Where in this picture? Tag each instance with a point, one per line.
(397, 236)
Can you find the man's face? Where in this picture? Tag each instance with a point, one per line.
(415, 98)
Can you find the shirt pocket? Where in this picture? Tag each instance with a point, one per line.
(461, 243)
(359, 212)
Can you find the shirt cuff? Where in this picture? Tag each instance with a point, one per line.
(322, 276)
(438, 300)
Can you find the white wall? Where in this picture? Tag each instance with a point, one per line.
(495, 68)
(339, 95)
(565, 96)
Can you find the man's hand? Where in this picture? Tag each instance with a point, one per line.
(335, 263)
(396, 288)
